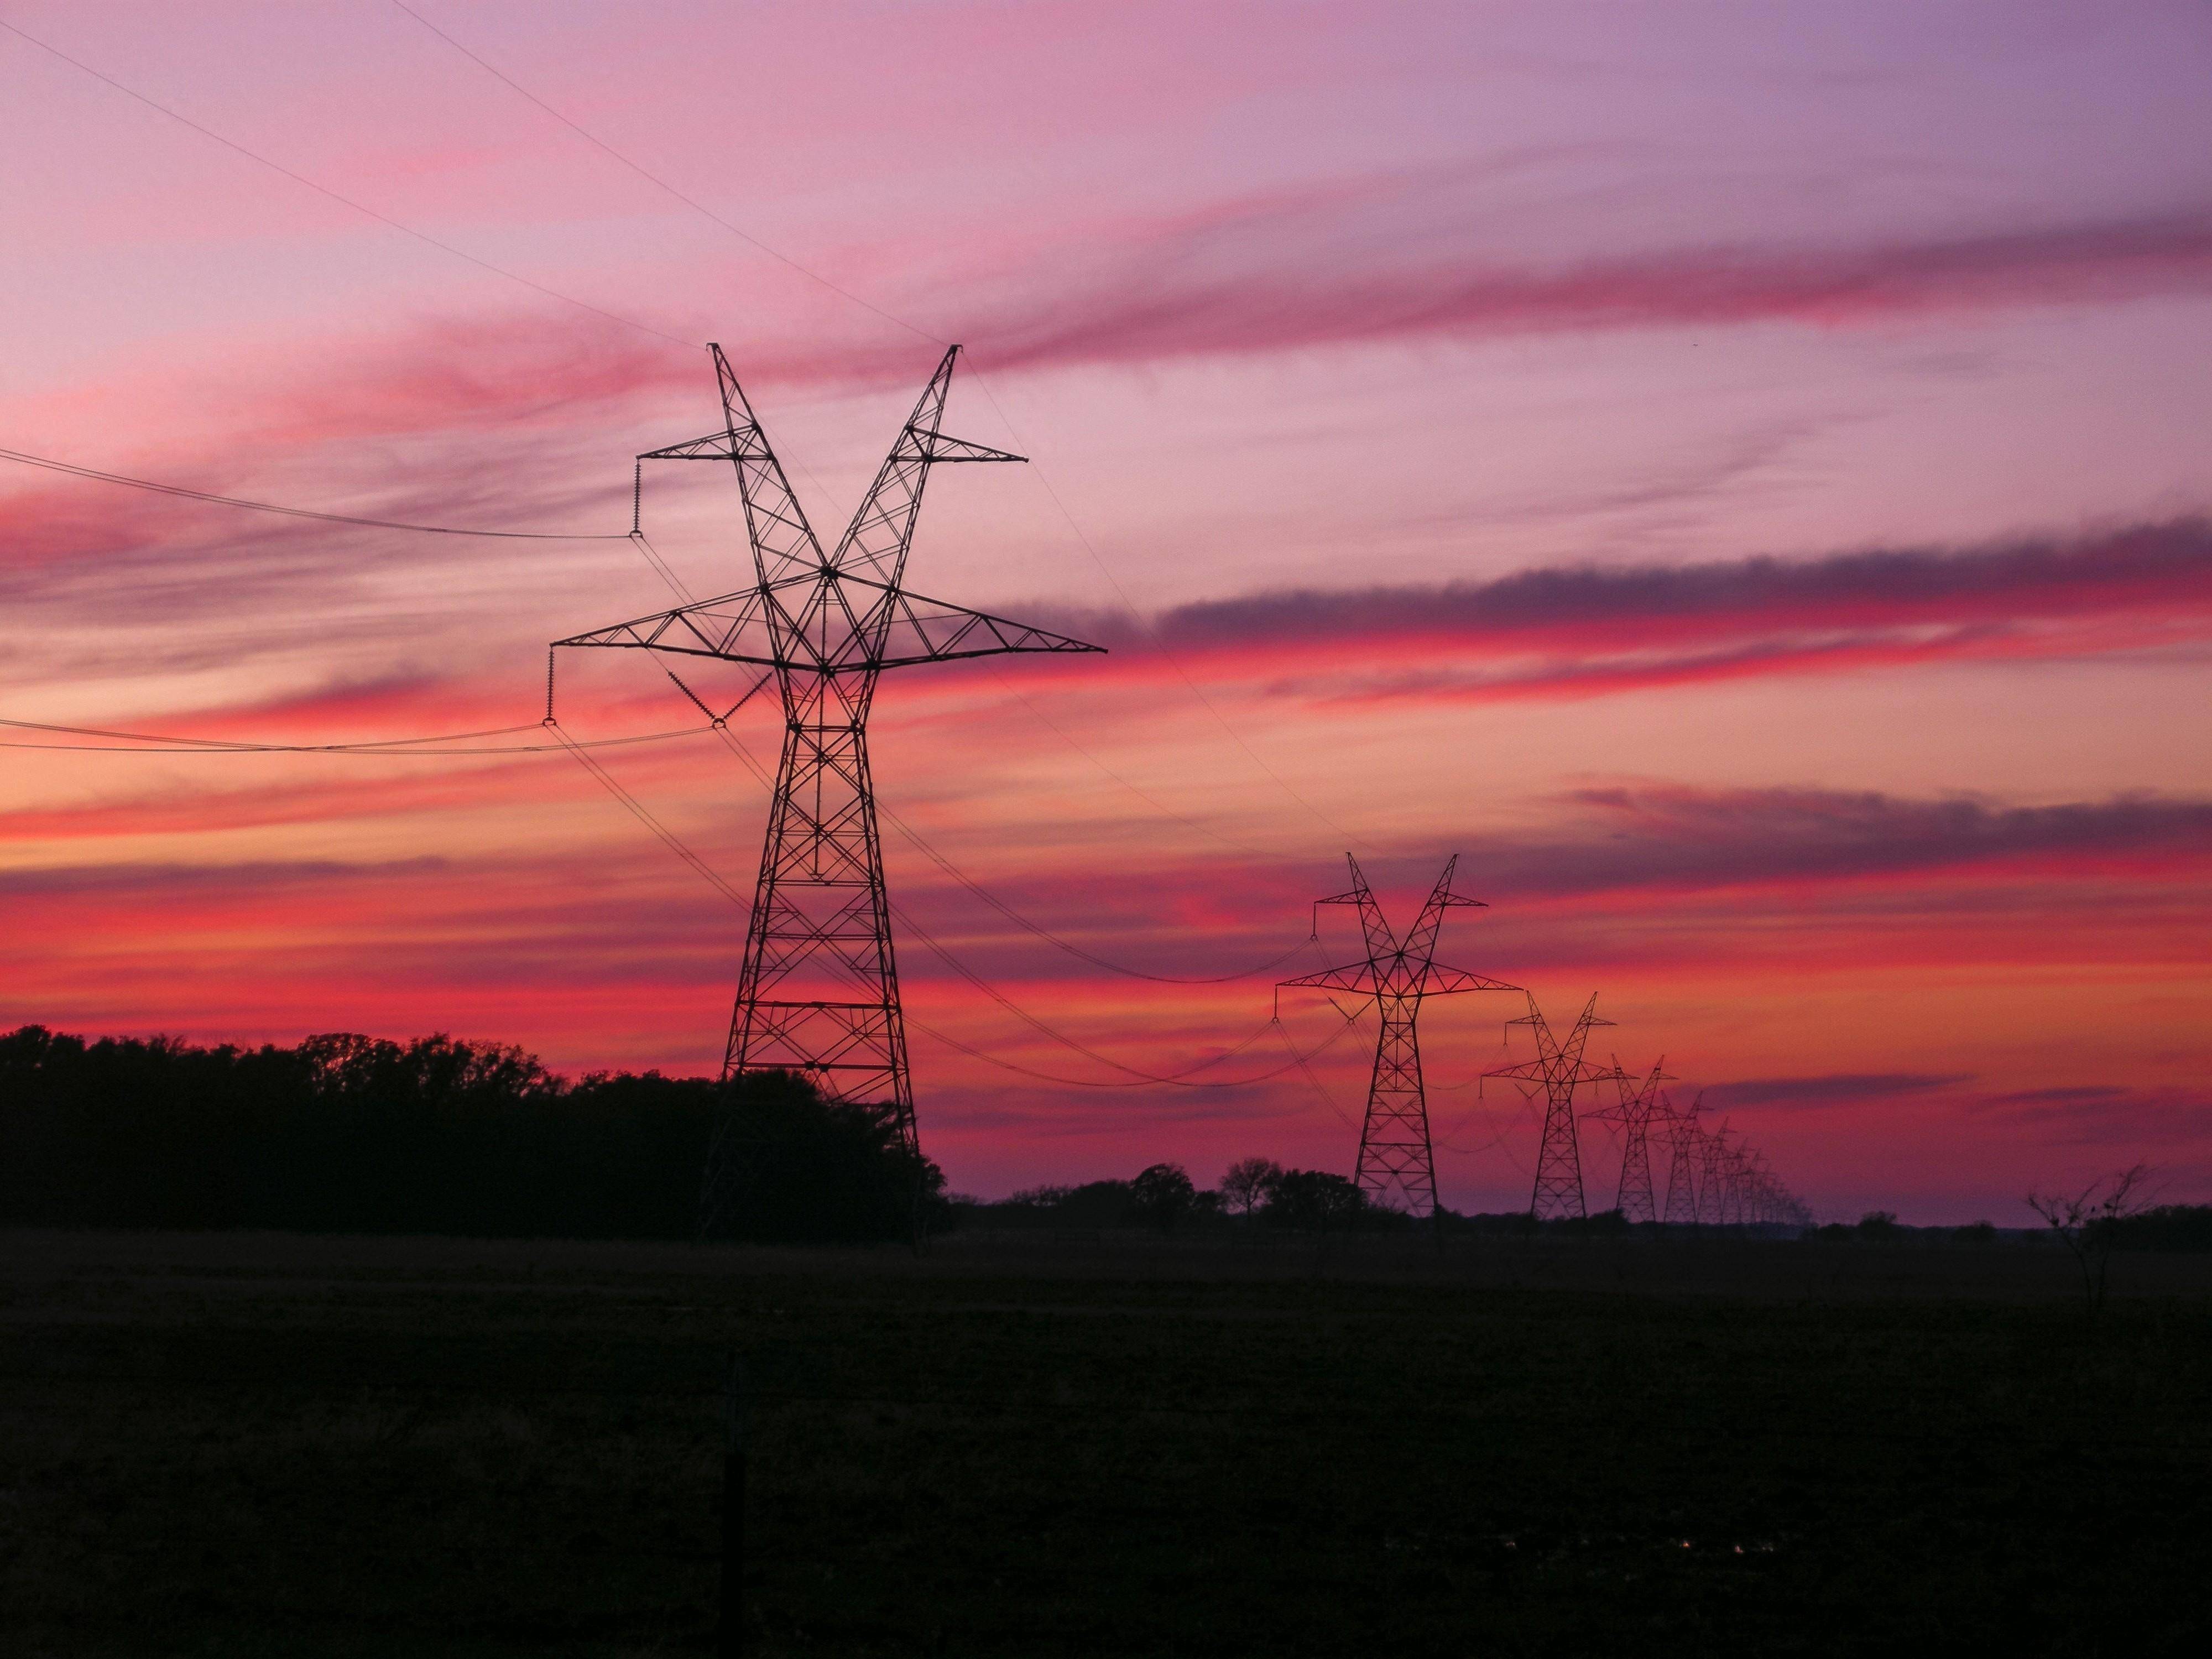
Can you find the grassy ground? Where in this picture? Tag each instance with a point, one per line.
(252, 1445)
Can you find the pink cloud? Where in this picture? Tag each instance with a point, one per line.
(1294, 270)
(1577, 631)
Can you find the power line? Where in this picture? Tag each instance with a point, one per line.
(1069, 946)
(736, 746)
(815, 276)
(344, 200)
(1137, 1076)
(1150, 800)
(155, 743)
(638, 810)
(22, 458)
(661, 184)
(990, 1059)
(1129, 606)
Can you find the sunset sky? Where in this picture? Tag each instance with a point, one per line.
(1737, 475)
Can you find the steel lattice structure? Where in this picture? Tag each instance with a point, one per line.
(1713, 1176)
(1636, 1110)
(817, 993)
(1682, 1137)
(1397, 1159)
(1560, 1066)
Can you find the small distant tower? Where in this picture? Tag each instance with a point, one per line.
(1637, 1107)
(1560, 1066)
(1682, 1137)
(1397, 1162)
(1713, 1176)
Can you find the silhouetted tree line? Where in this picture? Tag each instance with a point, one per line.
(2163, 1227)
(346, 1133)
(1164, 1196)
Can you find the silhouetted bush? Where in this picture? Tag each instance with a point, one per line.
(1163, 1195)
(1605, 1224)
(811, 1172)
(1244, 1188)
(1314, 1201)
(2166, 1227)
(346, 1133)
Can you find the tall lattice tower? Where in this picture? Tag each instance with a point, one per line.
(1560, 1067)
(817, 993)
(1397, 1160)
(1682, 1137)
(1636, 1110)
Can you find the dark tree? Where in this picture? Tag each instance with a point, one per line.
(1244, 1188)
(2088, 1224)
(349, 1134)
(1163, 1195)
(1314, 1201)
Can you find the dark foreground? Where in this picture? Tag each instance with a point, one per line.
(258, 1444)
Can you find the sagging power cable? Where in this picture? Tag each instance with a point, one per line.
(259, 159)
(454, 742)
(661, 184)
(815, 276)
(23, 459)
(1137, 1077)
(921, 844)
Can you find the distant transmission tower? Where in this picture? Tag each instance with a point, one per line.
(818, 991)
(1396, 1158)
(1637, 1107)
(1560, 1066)
(1713, 1176)
(1682, 1136)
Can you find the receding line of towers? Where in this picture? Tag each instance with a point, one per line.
(1713, 1177)
(817, 989)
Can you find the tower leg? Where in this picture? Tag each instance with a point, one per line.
(1397, 1159)
(817, 994)
(1559, 1191)
(1634, 1200)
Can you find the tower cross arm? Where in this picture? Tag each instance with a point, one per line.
(1353, 977)
(937, 447)
(915, 629)
(733, 628)
(1548, 1069)
(747, 445)
(1440, 980)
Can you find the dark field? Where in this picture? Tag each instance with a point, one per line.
(256, 1444)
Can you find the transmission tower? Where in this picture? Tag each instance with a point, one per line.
(1682, 1137)
(1713, 1176)
(817, 993)
(1738, 1189)
(1396, 1158)
(1636, 1110)
(1560, 1066)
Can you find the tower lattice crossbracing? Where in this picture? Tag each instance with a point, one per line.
(1560, 1067)
(817, 992)
(1713, 1177)
(1682, 1137)
(1397, 1159)
(1638, 1107)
